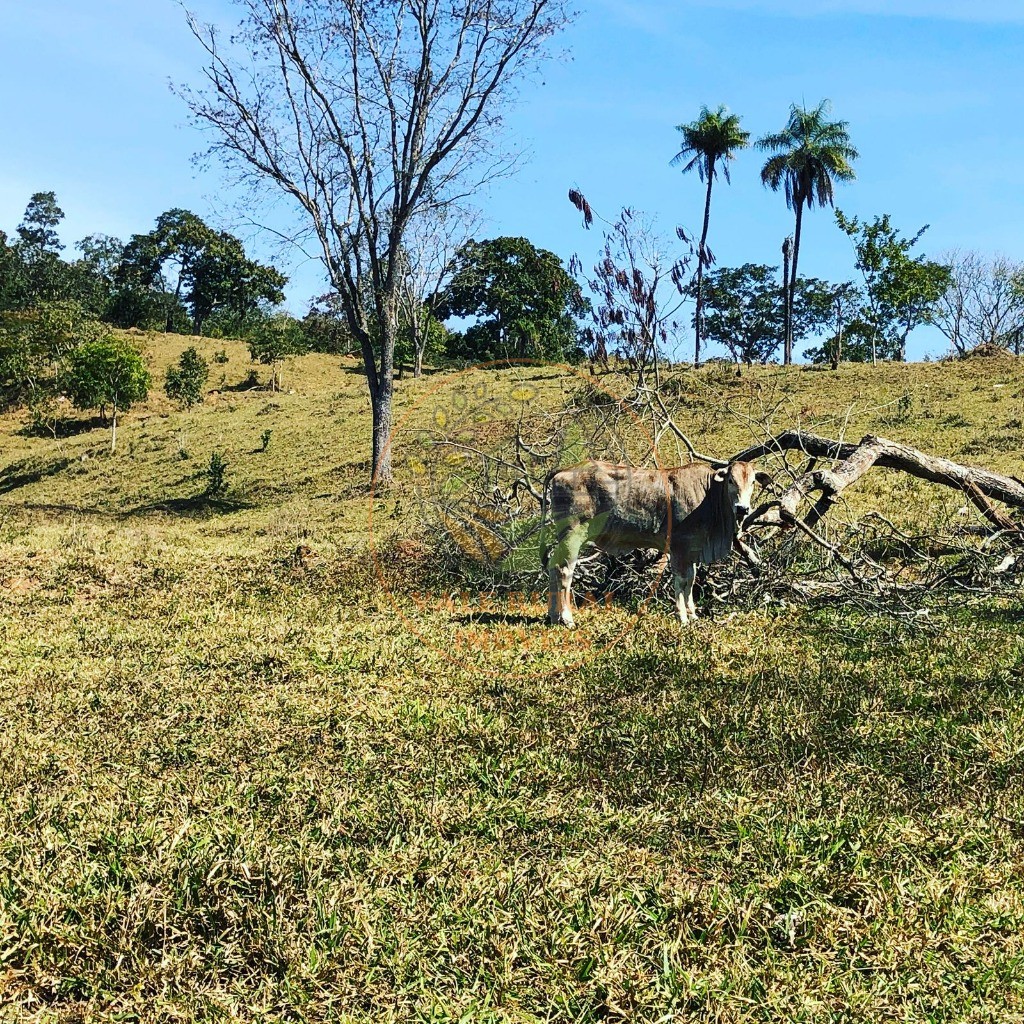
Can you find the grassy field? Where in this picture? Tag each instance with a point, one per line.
(243, 783)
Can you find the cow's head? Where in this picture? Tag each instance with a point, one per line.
(740, 479)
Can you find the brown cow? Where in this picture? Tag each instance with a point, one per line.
(693, 512)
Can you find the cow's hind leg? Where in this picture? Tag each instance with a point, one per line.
(560, 572)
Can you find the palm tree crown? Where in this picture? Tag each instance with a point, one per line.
(709, 141)
(811, 154)
(712, 139)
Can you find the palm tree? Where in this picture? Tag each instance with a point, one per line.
(712, 139)
(810, 154)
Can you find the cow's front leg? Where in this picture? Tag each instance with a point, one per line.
(560, 573)
(683, 575)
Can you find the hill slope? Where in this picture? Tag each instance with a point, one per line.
(245, 781)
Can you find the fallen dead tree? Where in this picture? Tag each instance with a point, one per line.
(808, 543)
(980, 486)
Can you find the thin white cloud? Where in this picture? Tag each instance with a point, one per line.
(985, 11)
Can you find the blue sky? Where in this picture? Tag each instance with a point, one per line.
(933, 91)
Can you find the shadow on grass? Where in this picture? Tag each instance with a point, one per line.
(29, 471)
(996, 616)
(248, 384)
(195, 507)
(69, 427)
(498, 618)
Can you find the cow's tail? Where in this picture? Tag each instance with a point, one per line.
(545, 504)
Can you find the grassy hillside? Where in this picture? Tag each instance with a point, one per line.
(242, 783)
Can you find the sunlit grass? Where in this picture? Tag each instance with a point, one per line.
(245, 783)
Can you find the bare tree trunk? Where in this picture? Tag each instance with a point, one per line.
(113, 431)
(382, 475)
(380, 378)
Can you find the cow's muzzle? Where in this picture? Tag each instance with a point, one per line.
(742, 511)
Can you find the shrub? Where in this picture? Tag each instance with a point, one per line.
(186, 382)
(107, 373)
(216, 471)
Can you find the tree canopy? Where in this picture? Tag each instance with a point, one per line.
(900, 290)
(205, 269)
(745, 310)
(524, 300)
(106, 374)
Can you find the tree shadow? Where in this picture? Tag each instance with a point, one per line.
(69, 427)
(248, 384)
(997, 616)
(29, 471)
(498, 618)
(197, 506)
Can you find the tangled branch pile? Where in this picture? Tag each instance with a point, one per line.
(815, 537)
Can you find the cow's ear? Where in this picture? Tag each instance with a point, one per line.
(763, 478)
(721, 474)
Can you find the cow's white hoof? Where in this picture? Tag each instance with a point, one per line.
(560, 620)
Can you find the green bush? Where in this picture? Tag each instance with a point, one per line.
(186, 382)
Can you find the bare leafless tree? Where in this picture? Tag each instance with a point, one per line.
(364, 114)
(984, 304)
(638, 287)
(428, 256)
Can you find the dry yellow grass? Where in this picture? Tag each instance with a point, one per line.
(243, 785)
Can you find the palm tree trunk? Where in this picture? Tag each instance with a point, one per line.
(839, 338)
(787, 257)
(698, 319)
(788, 359)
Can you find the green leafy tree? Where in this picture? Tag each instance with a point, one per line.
(106, 374)
(275, 339)
(900, 290)
(46, 275)
(708, 143)
(809, 156)
(745, 311)
(842, 325)
(33, 344)
(225, 281)
(13, 278)
(191, 265)
(325, 327)
(186, 382)
(524, 300)
(94, 275)
(38, 228)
